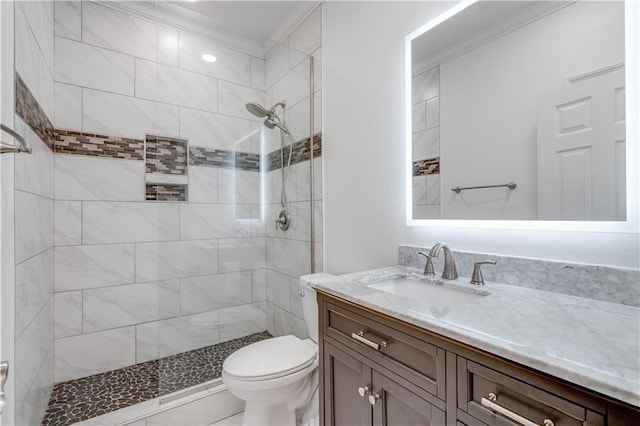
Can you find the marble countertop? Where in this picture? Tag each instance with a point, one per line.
(588, 342)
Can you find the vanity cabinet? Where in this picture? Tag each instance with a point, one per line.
(358, 394)
(377, 370)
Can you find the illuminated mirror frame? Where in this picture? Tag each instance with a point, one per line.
(632, 92)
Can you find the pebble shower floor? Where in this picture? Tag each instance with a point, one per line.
(81, 399)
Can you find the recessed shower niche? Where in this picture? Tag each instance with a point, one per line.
(166, 169)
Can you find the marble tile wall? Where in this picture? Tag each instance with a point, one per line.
(287, 76)
(425, 148)
(106, 280)
(136, 77)
(616, 285)
(34, 51)
(33, 369)
(135, 280)
(31, 112)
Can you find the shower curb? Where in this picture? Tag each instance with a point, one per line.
(190, 406)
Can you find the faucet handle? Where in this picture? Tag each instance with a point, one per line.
(476, 276)
(428, 267)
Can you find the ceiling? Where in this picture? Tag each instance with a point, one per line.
(272, 20)
(465, 24)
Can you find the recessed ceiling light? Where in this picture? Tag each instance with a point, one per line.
(207, 57)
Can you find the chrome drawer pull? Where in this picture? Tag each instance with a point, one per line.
(359, 336)
(489, 402)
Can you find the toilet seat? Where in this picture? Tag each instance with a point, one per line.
(270, 359)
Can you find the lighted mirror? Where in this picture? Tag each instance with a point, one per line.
(518, 113)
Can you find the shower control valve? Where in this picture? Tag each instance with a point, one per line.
(284, 220)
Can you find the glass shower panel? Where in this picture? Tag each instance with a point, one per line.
(288, 77)
(227, 278)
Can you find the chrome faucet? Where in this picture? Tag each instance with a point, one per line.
(449, 272)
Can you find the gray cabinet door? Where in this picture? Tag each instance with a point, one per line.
(396, 405)
(343, 375)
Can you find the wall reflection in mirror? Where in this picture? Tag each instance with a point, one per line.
(529, 93)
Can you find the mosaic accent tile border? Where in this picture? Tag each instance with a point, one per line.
(28, 108)
(247, 161)
(81, 399)
(165, 192)
(166, 155)
(94, 145)
(199, 156)
(301, 152)
(430, 166)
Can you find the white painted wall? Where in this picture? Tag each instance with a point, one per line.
(364, 153)
(496, 105)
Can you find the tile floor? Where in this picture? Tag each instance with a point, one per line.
(92, 396)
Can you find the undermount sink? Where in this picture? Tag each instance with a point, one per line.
(435, 295)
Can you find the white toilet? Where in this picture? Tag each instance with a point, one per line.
(277, 377)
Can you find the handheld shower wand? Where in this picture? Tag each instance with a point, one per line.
(272, 121)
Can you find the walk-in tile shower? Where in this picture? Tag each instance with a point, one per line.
(145, 241)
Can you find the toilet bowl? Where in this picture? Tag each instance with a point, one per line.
(278, 377)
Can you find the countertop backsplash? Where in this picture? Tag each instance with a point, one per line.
(610, 284)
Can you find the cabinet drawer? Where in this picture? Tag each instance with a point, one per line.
(416, 360)
(495, 398)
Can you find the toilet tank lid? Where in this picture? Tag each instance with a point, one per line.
(269, 357)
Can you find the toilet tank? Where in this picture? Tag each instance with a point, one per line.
(310, 303)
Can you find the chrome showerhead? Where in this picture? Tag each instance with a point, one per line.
(258, 110)
(272, 120)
